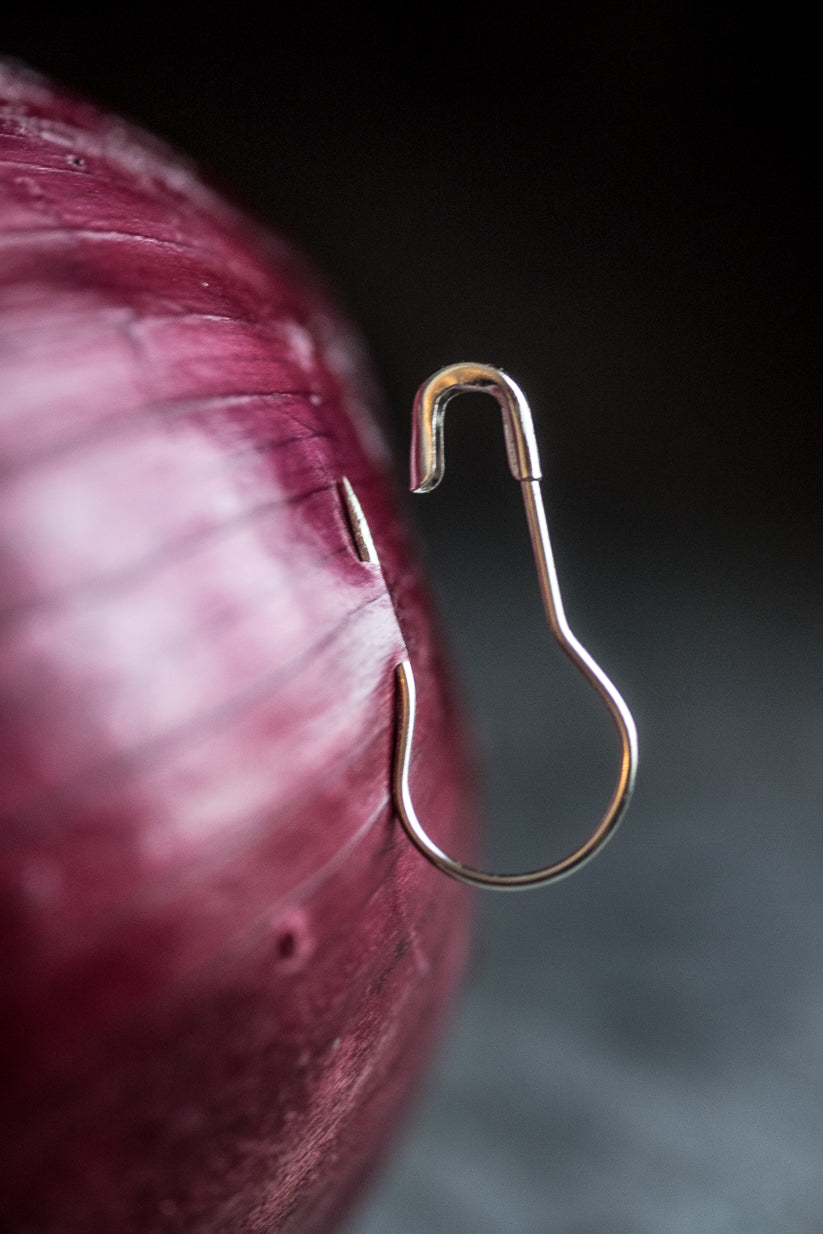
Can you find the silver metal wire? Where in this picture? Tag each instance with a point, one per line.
(427, 466)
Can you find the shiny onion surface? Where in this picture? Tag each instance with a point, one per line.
(222, 962)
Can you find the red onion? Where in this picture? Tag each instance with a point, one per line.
(222, 960)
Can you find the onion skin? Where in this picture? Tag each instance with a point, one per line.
(222, 962)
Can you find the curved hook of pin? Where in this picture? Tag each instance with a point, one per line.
(427, 466)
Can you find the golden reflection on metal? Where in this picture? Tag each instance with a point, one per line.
(427, 466)
(358, 525)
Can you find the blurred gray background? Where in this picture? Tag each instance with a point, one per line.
(623, 210)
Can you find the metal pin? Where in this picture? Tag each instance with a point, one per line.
(427, 466)
(360, 530)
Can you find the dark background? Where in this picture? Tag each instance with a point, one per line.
(621, 207)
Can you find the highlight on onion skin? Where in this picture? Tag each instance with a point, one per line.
(222, 962)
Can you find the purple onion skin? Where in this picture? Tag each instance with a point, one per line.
(222, 962)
